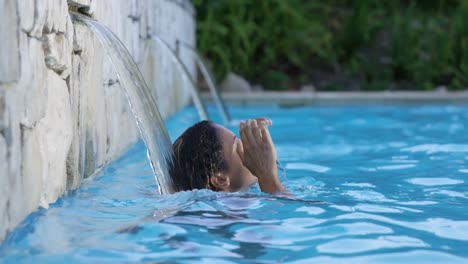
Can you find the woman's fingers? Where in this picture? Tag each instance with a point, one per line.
(266, 137)
(264, 120)
(240, 150)
(256, 133)
(243, 134)
(250, 133)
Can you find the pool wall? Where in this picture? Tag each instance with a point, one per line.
(62, 113)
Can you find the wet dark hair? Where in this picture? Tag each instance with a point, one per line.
(198, 155)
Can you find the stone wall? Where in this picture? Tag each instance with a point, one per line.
(63, 114)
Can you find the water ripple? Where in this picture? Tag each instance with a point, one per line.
(396, 167)
(368, 195)
(414, 257)
(437, 148)
(446, 228)
(307, 166)
(357, 184)
(287, 234)
(354, 245)
(434, 181)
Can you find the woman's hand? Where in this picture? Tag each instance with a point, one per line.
(258, 153)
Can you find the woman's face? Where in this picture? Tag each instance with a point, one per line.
(240, 178)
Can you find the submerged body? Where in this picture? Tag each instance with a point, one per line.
(209, 156)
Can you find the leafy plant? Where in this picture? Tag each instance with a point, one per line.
(282, 44)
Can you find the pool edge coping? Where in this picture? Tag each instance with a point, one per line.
(248, 98)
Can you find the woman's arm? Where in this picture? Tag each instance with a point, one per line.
(260, 155)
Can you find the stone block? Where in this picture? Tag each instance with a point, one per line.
(31, 88)
(9, 52)
(4, 187)
(56, 16)
(58, 51)
(75, 160)
(2, 110)
(11, 195)
(33, 169)
(55, 126)
(26, 10)
(83, 6)
(40, 15)
(50, 16)
(80, 3)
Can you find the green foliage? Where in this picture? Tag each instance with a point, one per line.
(379, 45)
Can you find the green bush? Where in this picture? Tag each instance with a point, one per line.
(337, 44)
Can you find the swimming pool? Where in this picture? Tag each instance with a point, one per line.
(392, 181)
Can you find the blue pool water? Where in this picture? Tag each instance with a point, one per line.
(392, 181)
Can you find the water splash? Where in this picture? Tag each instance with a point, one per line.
(284, 179)
(141, 101)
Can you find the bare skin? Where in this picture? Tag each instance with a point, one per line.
(251, 159)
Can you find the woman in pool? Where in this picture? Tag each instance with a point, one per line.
(209, 156)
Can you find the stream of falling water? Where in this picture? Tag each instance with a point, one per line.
(211, 85)
(185, 73)
(210, 81)
(141, 101)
